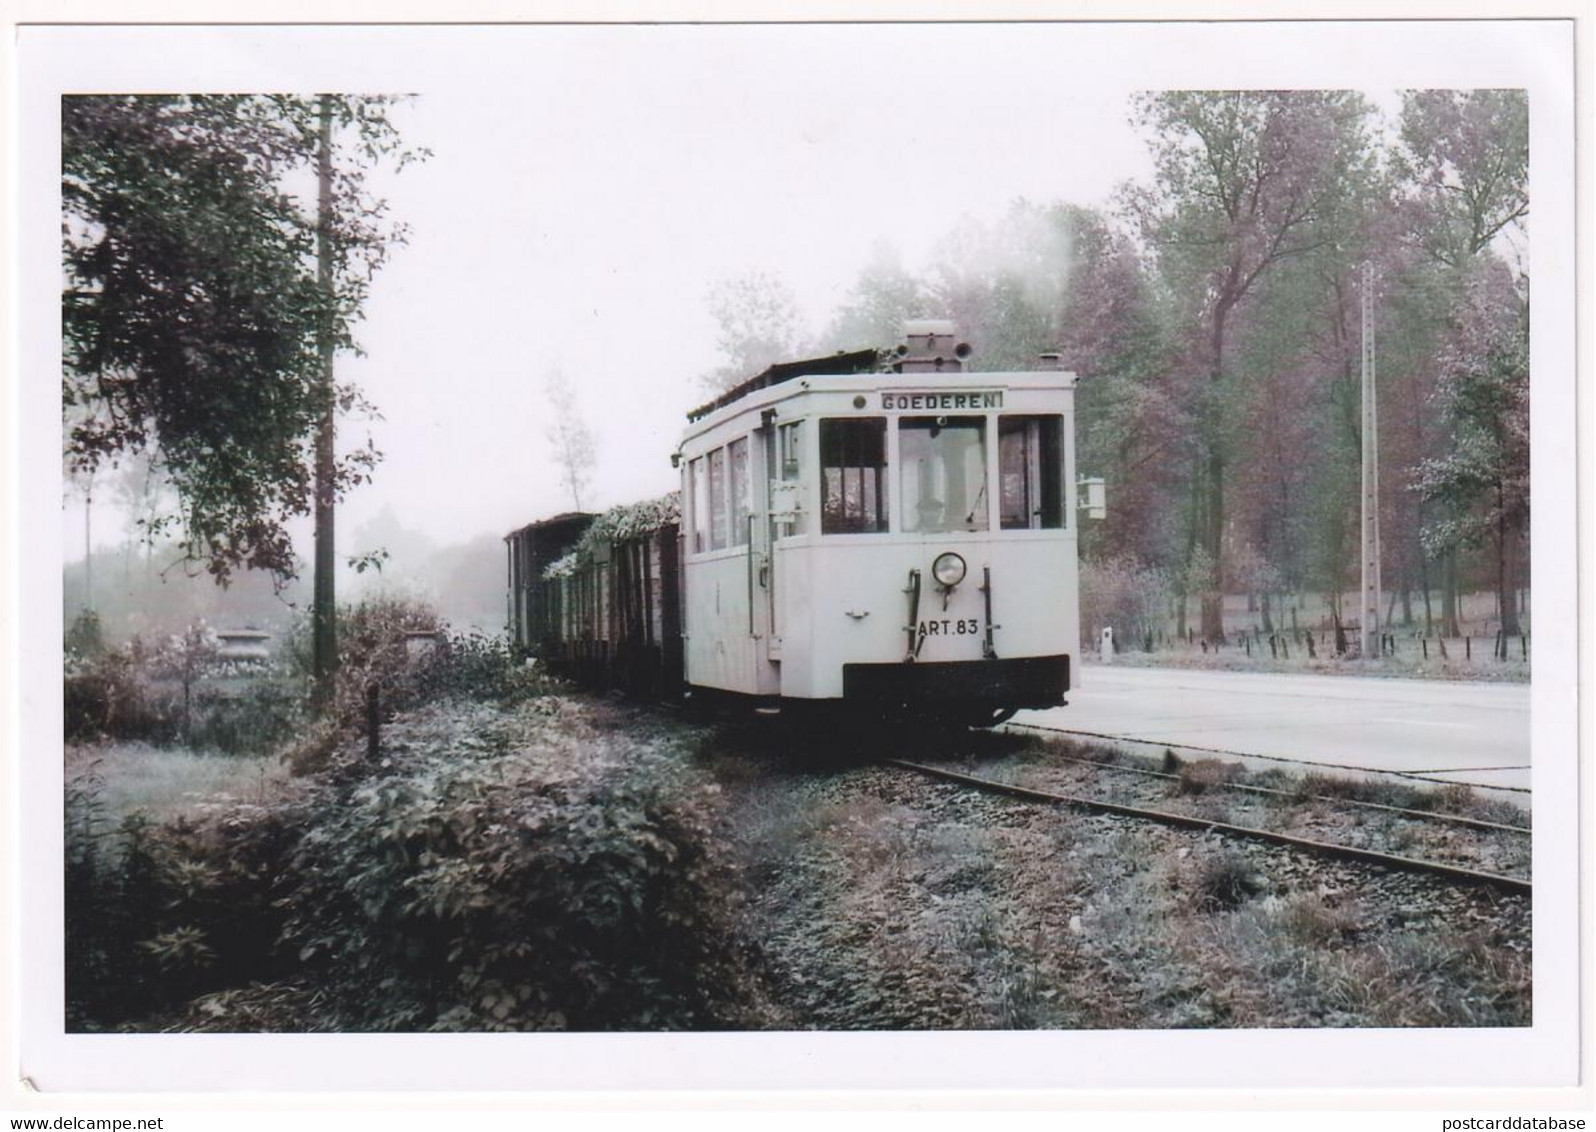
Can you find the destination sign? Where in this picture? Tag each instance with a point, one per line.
(940, 399)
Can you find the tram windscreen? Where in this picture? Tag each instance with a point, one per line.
(853, 470)
(944, 473)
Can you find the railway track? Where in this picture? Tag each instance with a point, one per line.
(1321, 848)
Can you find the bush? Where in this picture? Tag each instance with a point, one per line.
(158, 913)
(480, 667)
(491, 872)
(1224, 880)
(84, 637)
(464, 892)
(1122, 594)
(115, 695)
(255, 715)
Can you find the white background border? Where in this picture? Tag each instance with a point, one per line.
(1326, 55)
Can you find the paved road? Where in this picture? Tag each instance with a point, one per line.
(1446, 731)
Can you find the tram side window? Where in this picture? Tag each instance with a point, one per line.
(717, 499)
(853, 471)
(698, 481)
(944, 473)
(1031, 471)
(738, 455)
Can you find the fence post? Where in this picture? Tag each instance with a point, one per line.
(1468, 648)
(373, 722)
(1425, 643)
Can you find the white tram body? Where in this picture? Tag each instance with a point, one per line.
(894, 539)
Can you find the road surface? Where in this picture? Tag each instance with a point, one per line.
(1438, 730)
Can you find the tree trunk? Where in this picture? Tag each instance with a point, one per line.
(1506, 583)
(1213, 543)
(324, 608)
(1424, 581)
(1449, 596)
(1213, 474)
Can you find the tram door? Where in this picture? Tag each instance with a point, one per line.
(781, 493)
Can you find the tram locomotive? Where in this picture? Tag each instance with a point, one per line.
(877, 530)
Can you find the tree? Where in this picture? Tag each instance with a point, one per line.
(568, 434)
(1132, 427)
(1482, 481)
(195, 324)
(1244, 181)
(1465, 154)
(757, 318)
(1464, 157)
(880, 301)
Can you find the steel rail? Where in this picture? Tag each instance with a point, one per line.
(1169, 745)
(1423, 815)
(1325, 848)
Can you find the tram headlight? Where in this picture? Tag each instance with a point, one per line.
(948, 570)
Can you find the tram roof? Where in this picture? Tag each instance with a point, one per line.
(832, 365)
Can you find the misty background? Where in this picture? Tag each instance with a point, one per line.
(603, 209)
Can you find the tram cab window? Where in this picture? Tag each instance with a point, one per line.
(853, 469)
(1031, 472)
(789, 437)
(737, 454)
(698, 484)
(786, 467)
(944, 473)
(717, 499)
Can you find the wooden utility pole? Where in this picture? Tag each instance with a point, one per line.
(324, 608)
(88, 547)
(1369, 615)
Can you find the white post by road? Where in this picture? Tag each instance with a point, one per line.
(1369, 614)
(1105, 647)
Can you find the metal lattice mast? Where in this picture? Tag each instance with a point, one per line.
(1369, 614)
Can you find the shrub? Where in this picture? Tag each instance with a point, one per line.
(519, 891)
(158, 913)
(479, 666)
(114, 694)
(1124, 594)
(1203, 774)
(1224, 880)
(256, 715)
(84, 637)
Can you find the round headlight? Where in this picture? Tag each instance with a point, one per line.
(948, 569)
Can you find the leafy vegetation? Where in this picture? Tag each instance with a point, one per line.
(511, 860)
(194, 316)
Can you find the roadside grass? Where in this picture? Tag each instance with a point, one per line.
(1233, 658)
(169, 782)
(1209, 777)
(1301, 961)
